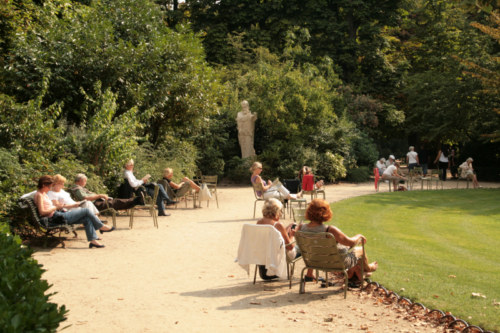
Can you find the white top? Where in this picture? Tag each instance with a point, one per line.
(443, 159)
(134, 182)
(390, 170)
(412, 157)
(63, 195)
(380, 165)
(262, 245)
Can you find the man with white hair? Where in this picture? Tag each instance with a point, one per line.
(81, 193)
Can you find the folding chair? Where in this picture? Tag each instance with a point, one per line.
(257, 187)
(149, 205)
(460, 177)
(211, 182)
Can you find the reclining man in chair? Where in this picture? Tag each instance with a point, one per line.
(81, 193)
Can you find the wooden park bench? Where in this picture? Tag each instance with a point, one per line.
(41, 224)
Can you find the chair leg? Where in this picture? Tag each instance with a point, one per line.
(302, 288)
(255, 275)
(114, 218)
(131, 221)
(217, 199)
(346, 284)
(254, 208)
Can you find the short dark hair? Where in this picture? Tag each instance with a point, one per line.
(45, 181)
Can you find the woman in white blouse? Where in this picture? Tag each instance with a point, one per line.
(468, 172)
(59, 196)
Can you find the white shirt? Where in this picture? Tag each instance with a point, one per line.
(262, 245)
(134, 182)
(380, 165)
(412, 157)
(443, 159)
(63, 195)
(390, 170)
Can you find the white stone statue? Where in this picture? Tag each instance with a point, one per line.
(246, 129)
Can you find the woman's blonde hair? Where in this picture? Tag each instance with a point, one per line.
(255, 165)
(272, 208)
(129, 162)
(59, 179)
(167, 172)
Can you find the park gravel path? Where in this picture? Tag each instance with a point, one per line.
(182, 278)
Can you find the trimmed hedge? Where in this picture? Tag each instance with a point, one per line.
(24, 306)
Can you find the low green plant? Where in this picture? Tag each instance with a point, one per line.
(359, 175)
(331, 166)
(24, 304)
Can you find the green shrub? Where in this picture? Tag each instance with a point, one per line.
(359, 175)
(178, 155)
(238, 169)
(331, 166)
(24, 306)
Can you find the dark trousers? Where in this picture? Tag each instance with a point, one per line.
(116, 204)
(443, 166)
(162, 195)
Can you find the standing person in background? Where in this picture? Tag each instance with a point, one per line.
(452, 156)
(444, 162)
(412, 158)
(423, 158)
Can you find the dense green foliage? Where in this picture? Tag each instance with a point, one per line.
(24, 304)
(421, 238)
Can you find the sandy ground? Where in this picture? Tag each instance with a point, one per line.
(182, 278)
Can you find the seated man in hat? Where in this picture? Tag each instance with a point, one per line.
(101, 201)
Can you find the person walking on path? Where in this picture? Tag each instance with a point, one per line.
(444, 162)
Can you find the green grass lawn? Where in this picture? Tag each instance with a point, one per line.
(420, 238)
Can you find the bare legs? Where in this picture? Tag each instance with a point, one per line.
(191, 184)
(475, 183)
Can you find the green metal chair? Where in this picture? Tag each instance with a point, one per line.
(299, 215)
(290, 265)
(300, 201)
(257, 187)
(320, 191)
(319, 251)
(434, 176)
(149, 205)
(383, 181)
(211, 182)
(460, 177)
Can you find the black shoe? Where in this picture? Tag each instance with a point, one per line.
(171, 202)
(101, 231)
(91, 245)
(163, 214)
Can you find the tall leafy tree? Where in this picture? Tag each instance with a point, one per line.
(125, 45)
